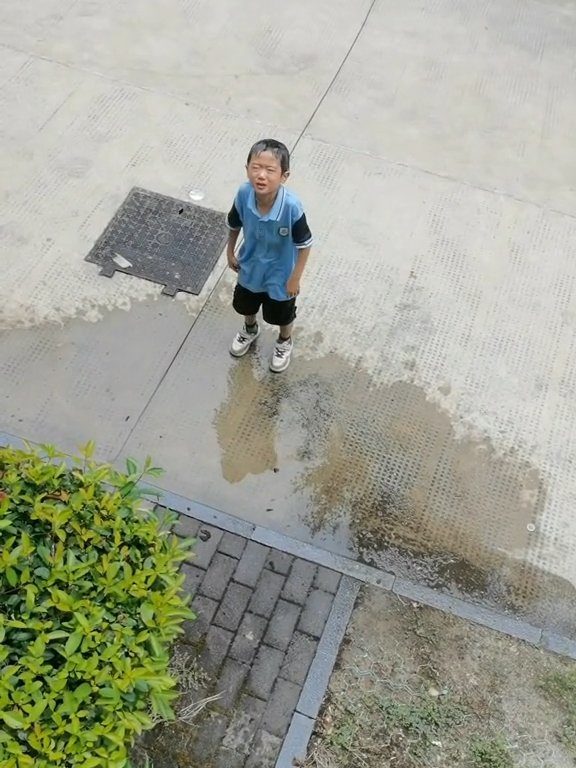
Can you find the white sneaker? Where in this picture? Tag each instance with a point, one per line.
(243, 340)
(281, 356)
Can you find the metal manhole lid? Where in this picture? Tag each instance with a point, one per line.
(162, 239)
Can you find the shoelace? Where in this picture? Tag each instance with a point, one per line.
(281, 350)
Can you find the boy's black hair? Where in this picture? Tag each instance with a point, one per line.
(279, 150)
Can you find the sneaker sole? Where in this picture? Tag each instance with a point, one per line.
(281, 370)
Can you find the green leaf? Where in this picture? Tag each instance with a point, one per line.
(37, 710)
(73, 643)
(161, 705)
(11, 577)
(13, 719)
(131, 467)
(87, 450)
(82, 692)
(147, 613)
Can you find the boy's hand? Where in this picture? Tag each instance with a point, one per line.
(233, 262)
(293, 286)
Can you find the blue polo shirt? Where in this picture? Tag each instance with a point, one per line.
(271, 241)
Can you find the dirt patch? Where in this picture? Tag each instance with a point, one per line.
(415, 687)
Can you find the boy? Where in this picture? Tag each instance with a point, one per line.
(274, 253)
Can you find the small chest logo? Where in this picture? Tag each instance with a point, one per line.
(283, 231)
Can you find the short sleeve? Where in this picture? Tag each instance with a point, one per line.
(301, 235)
(234, 221)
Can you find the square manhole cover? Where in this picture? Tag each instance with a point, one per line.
(161, 239)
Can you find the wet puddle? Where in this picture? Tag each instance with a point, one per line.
(385, 461)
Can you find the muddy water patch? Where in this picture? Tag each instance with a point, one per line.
(382, 465)
(246, 423)
(418, 500)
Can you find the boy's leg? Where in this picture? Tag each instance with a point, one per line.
(282, 314)
(247, 304)
(286, 332)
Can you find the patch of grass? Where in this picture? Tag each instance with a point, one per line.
(560, 688)
(412, 728)
(422, 722)
(490, 753)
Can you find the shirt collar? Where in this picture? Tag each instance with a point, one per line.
(274, 212)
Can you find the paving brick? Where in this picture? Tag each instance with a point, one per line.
(244, 724)
(192, 578)
(298, 658)
(280, 707)
(266, 594)
(204, 608)
(316, 613)
(248, 638)
(282, 625)
(218, 641)
(233, 606)
(186, 527)
(231, 680)
(251, 563)
(265, 751)
(206, 544)
(232, 545)
(279, 562)
(264, 671)
(299, 581)
(209, 738)
(327, 580)
(227, 758)
(217, 576)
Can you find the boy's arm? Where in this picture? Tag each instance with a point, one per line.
(234, 224)
(293, 284)
(231, 247)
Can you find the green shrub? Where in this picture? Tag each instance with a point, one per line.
(89, 605)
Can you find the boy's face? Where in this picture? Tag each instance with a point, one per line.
(265, 174)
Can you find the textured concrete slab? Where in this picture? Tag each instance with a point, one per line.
(74, 144)
(271, 62)
(481, 92)
(82, 381)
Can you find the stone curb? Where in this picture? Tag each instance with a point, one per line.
(464, 609)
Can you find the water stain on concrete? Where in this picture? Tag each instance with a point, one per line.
(390, 462)
(246, 422)
(383, 462)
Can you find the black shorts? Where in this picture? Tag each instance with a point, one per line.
(274, 312)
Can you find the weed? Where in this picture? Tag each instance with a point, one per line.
(421, 722)
(490, 753)
(560, 688)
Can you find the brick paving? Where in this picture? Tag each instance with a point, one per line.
(260, 617)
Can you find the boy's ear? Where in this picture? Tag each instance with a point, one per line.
(285, 176)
